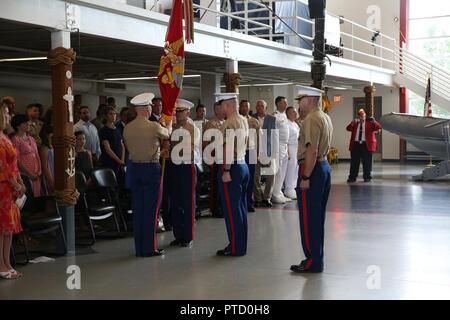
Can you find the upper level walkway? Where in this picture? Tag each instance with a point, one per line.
(116, 40)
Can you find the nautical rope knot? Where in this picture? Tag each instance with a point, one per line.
(232, 81)
(67, 196)
(61, 55)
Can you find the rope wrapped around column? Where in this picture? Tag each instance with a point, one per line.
(232, 81)
(66, 196)
(61, 55)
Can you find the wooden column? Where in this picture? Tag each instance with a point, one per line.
(370, 100)
(61, 60)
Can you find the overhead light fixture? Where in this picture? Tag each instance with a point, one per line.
(148, 78)
(264, 84)
(338, 88)
(23, 59)
(129, 79)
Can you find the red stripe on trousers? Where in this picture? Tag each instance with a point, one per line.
(230, 215)
(158, 200)
(305, 216)
(193, 198)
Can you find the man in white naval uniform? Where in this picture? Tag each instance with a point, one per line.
(292, 168)
(283, 130)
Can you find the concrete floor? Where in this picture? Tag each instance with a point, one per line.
(400, 227)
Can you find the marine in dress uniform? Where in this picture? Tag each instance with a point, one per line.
(181, 169)
(142, 139)
(314, 180)
(234, 180)
(251, 153)
(215, 123)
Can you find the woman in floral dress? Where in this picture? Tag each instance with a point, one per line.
(28, 157)
(11, 187)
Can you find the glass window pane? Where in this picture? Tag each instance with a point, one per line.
(429, 8)
(436, 51)
(428, 28)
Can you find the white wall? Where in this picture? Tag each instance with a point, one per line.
(28, 89)
(342, 114)
(361, 12)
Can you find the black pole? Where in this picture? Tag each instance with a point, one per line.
(318, 66)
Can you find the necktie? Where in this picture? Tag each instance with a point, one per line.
(360, 131)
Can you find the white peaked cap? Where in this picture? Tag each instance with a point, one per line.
(226, 96)
(143, 99)
(303, 91)
(182, 104)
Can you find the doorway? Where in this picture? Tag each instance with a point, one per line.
(359, 103)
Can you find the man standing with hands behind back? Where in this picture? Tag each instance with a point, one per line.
(363, 144)
(314, 182)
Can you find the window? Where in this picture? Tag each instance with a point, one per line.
(429, 37)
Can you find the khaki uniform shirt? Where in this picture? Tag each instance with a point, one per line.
(317, 131)
(142, 139)
(252, 138)
(190, 134)
(239, 124)
(214, 123)
(301, 143)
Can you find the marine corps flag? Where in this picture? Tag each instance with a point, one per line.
(171, 69)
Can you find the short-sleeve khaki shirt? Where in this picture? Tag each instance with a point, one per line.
(239, 124)
(142, 138)
(318, 131)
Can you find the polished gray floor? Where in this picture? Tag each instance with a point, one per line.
(389, 239)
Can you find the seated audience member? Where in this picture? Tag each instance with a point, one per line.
(28, 156)
(83, 158)
(47, 155)
(111, 142)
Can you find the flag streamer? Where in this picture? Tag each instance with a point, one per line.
(171, 69)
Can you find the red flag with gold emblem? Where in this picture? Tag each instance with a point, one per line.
(171, 69)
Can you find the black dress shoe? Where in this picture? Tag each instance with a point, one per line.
(175, 242)
(367, 180)
(301, 268)
(187, 244)
(251, 209)
(224, 252)
(155, 253)
(267, 204)
(351, 180)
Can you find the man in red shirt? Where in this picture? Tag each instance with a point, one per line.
(363, 144)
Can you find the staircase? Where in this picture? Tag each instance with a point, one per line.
(412, 72)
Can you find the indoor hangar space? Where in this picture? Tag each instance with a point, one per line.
(224, 150)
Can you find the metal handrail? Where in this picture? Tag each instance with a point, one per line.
(380, 57)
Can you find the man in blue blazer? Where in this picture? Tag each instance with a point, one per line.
(268, 124)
